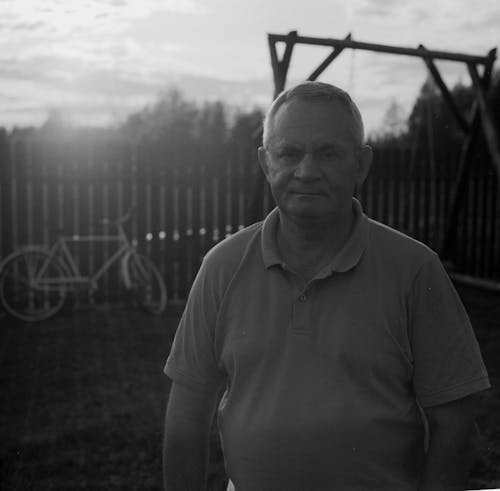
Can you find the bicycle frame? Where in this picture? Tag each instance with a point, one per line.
(60, 251)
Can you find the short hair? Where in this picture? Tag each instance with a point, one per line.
(313, 91)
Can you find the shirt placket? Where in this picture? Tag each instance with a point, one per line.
(301, 310)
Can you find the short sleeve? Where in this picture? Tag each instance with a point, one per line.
(447, 360)
(192, 359)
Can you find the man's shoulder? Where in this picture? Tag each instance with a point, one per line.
(231, 250)
(397, 245)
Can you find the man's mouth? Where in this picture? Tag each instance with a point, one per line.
(306, 193)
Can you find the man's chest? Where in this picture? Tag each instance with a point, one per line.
(316, 375)
(348, 328)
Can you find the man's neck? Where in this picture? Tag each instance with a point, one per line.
(311, 244)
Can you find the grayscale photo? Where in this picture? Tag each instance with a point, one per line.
(249, 246)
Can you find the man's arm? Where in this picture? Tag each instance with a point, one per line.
(186, 441)
(452, 445)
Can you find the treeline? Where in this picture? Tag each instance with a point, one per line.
(173, 132)
(178, 132)
(431, 125)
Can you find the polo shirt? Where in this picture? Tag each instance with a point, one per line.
(325, 380)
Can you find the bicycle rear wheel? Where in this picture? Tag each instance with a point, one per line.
(147, 283)
(31, 285)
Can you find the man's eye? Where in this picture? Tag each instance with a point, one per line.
(289, 154)
(326, 153)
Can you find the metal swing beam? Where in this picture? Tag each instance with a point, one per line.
(479, 116)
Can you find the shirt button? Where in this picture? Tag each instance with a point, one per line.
(303, 298)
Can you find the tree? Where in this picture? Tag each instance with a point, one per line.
(212, 133)
(165, 133)
(394, 123)
(177, 132)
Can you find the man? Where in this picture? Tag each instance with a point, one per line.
(347, 358)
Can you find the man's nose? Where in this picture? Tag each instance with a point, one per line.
(306, 169)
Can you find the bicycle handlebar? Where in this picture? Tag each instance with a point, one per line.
(119, 221)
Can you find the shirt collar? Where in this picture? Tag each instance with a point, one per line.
(269, 243)
(347, 258)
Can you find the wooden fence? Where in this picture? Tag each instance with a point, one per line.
(411, 191)
(51, 187)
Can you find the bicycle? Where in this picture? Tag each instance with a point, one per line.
(35, 280)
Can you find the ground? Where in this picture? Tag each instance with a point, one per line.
(83, 398)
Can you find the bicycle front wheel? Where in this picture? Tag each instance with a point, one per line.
(147, 283)
(32, 285)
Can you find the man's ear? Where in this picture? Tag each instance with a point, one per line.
(364, 163)
(262, 152)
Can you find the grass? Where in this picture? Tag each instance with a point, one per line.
(484, 310)
(83, 398)
(83, 401)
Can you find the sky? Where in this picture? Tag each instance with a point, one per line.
(96, 61)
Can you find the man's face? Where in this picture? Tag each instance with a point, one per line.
(313, 161)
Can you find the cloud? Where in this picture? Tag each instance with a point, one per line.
(380, 8)
(120, 52)
(491, 21)
(106, 96)
(56, 38)
(67, 75)
(419, 15)
(25, 26)
(89, 16)
(14, 68)
(396, 72)
(373, 11)
(11, 98)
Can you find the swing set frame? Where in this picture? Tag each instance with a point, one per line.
(480, 115)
